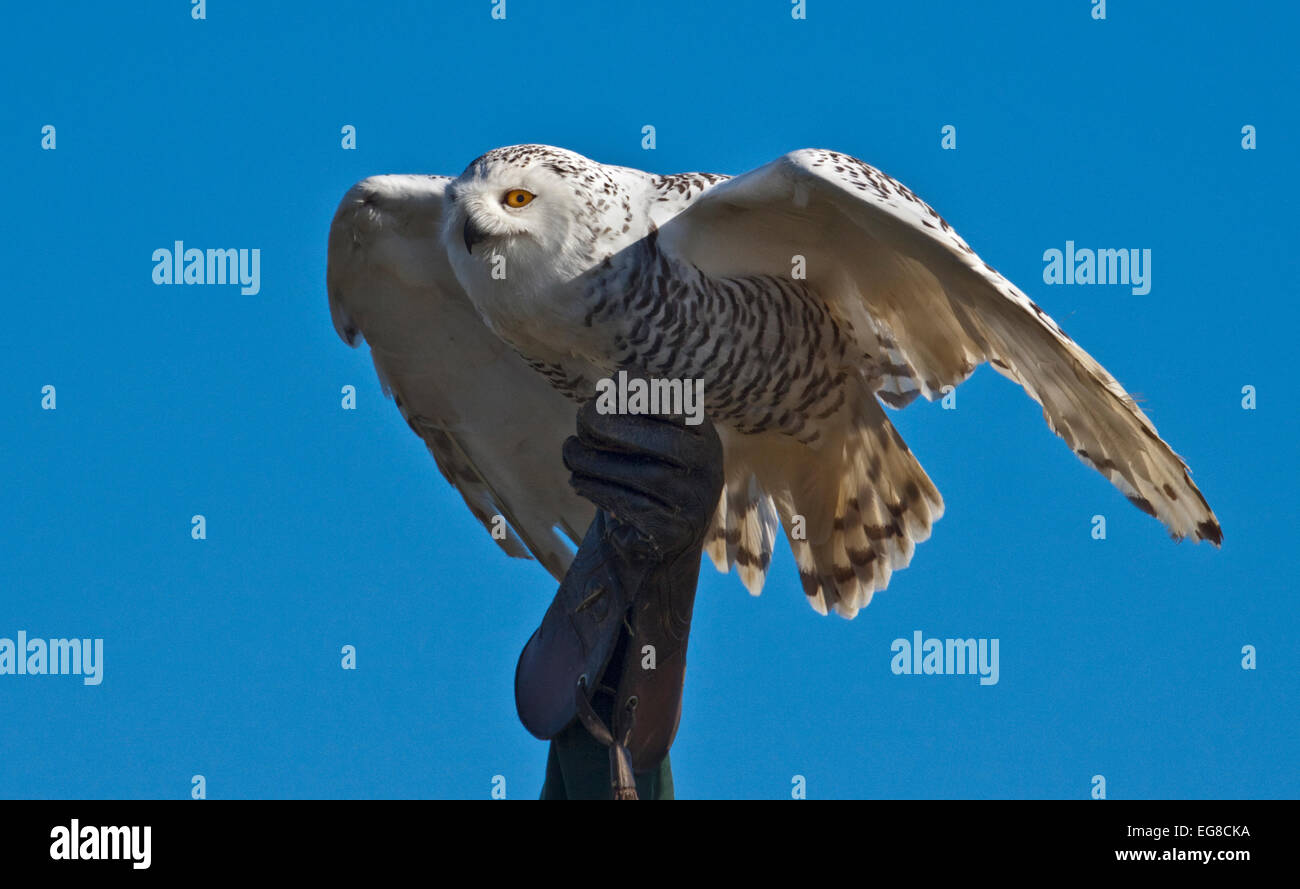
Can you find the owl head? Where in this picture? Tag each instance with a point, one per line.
(530, 218)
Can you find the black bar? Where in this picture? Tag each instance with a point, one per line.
(189, 838)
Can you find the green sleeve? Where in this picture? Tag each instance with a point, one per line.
(577, 767)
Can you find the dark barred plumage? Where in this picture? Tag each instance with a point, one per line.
(771, 356)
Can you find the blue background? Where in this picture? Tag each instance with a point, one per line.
(328, 527)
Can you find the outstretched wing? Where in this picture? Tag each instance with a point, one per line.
(920, 300)
(494, 426)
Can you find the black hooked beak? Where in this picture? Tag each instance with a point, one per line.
(473, 234)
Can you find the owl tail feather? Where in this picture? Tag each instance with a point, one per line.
(853, 509)
(744, 528)
(881, 504)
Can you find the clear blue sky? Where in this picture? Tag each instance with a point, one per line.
(1118, 657)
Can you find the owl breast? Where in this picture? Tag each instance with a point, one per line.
(770, 356)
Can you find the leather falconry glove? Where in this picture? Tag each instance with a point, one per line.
(630, 591)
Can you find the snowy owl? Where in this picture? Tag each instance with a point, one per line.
(803, 294)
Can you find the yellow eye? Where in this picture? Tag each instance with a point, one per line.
(517, 197)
